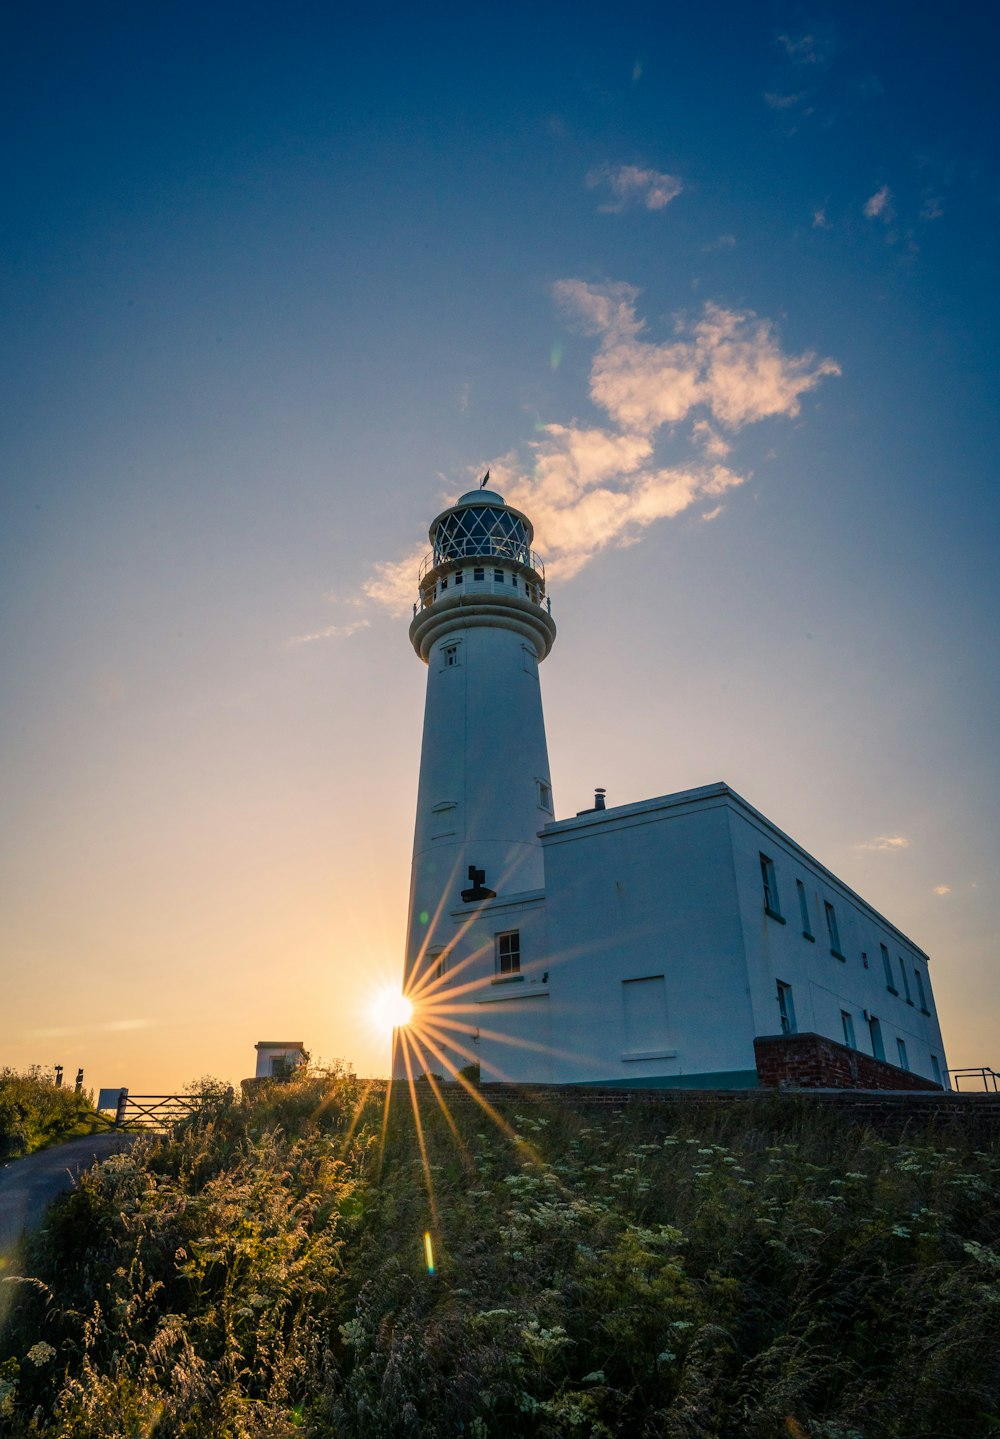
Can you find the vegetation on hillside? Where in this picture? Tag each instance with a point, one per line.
(34, 1113)
(762, 1269)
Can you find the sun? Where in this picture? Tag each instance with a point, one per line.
(391, 1010)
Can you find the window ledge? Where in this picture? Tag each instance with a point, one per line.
(837, 955)
(910, 1003)
(632, 1054)
(891, 990)
(773, 914)
(508, 979)
(810, 937)
(927, 1012)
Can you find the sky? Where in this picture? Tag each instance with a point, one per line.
(712, 292)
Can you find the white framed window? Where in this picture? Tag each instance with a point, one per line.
(786, 1008)
(498, 577)
(847, 1024)
(770, 885)
(875, 1032)
(800, 890)
(478, 573)
(833, 929)
(887, 966)
(904, 1063)
(905, 978)
(508, 952)
(460, 577)
(449, 657)
(921, 992)
(937, 1070)
(437, 963)
(544, 795)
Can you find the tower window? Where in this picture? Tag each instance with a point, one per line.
(498, 577)
(833, 930)
(544, 795)
(804, 911)
(444, 582)
(770, 883)
(509, 952)
(450, 656)
(847, 1024)
(479, 573)
(786, 1009)
(459, 577)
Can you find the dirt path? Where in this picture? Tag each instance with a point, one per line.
(28, 1186)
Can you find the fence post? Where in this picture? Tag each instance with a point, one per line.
(120, 1112)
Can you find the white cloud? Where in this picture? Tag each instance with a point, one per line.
(781, 102)
(728, 361)
(332, 632)
(811, 49)
(942, 889)
(885, 843)
(931, 209)
(723, 242)
(589, 487)
(820, 222)
(879, 205)
(631, 185)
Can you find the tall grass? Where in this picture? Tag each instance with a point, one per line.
(769, 1270)
(34, 1113)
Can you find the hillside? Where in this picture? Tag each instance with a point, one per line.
(766, 1269)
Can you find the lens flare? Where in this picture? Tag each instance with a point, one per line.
(428, 1252)
(391, 1010)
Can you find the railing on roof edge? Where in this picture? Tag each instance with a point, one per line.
(491, 547)
(990, 1077)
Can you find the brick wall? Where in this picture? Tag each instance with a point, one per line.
(811, 1061)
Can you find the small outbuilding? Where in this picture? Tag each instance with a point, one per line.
(277, 1058)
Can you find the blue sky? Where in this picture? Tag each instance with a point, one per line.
(712, 292)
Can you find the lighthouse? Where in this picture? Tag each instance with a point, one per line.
(482, 625)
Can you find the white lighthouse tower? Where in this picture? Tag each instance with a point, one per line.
(481, 625)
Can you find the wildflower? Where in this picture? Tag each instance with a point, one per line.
(41, 1353)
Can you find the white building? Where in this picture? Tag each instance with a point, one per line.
(645, 945)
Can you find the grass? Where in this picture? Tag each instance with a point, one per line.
(764, 1270)
(35, 1114)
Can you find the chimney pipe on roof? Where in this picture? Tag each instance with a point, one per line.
(599, 794)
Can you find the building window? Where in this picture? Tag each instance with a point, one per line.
(513, 581)
(864, 959)
(509, 952)
(786, 1008)
(832, 930)
(450, 656)
(544, 795)
(644, 1012)
(804, 911)
(529, 659)
(436, 963)
(904, 1063)
(478, 573)
(906, 981)
(937, 1070)
(847, 1022)
(498, 577)
(921, 992)
(459, 577)
(875, 1030)
(770, 883)
(444, 582)
(887, 966)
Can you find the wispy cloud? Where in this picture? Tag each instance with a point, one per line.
(885, 843)
(932, 208)
(811, 48)
(819, 220)
(589, 487)
(879, 205)
(776, 101)
(721, 242)
(942, 889)
(332, 632)
(630, 185)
